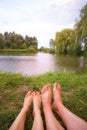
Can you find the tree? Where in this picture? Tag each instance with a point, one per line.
(64, 39)
(24, 46)
(31, 41)
(18, 40)
(52, 43)
(81, 27)
(28, 40)
(2, 43)
(7, 40)
(34, 42)
(12, 40)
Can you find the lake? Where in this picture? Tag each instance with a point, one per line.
(41, 63)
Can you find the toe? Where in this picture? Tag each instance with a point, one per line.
(45, 88)
(56, 86)
(29, 93)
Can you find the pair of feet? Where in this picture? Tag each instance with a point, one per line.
(32, 96)
(45, 97)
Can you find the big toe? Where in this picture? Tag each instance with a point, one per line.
(56, 87)
(45, 88)
(57, 93)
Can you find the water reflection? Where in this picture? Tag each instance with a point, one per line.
(41, 63)
(81, 67)
(72, 63)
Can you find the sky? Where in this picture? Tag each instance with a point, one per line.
(39, 18)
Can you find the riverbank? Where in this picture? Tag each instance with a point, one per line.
(33, 50)
(18, 51)
(13, 88)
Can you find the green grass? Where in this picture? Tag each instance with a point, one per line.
(30, 50)
(13, 88)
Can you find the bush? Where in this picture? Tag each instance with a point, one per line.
(74, 49)
(47, 50)
(31, 50)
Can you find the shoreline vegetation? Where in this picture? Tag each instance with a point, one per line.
(13, 88)
(32, 50)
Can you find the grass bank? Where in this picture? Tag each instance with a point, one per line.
(13, 88)
(18, 51)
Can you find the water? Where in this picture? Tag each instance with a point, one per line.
(41, 63)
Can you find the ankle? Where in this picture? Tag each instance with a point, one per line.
(24, 110)
(35, 112)
(47, 107)
(57, 107)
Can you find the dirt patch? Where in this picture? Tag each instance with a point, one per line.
(5, 95)
(23, 89)
(1, 98)
(68, 93)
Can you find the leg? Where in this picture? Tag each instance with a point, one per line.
(38, 123)
(19, 122)
(71, 121)
(51, 122)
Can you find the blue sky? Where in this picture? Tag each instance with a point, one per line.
(40, 18)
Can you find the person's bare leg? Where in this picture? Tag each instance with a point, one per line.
(51, 122)
(38, 123)
(19, 122)
(71, 121)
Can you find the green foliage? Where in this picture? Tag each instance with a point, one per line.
(47, 50)
(12, 40)
(18, 51)
(85, 53)
(81, 27)
(74, 49)
(63, 39)
(44, 49)
(24, 46)
(69, 41)
(31, 41)
(52, 43)
(2, 43)
(31, 50)
(51, 50)
(13, 88)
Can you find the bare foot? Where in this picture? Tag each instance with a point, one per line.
(57, 96)
(28, 100)
(36, 101)
(46, 94)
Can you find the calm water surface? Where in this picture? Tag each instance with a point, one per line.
(41, 63)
